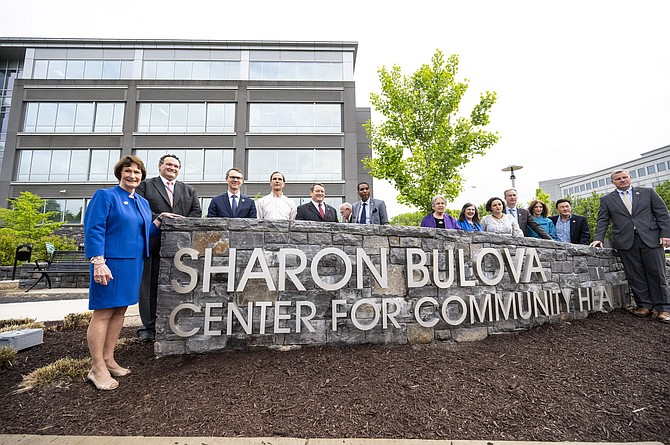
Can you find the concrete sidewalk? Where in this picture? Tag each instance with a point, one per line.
(22, 439)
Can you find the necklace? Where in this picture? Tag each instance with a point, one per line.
(498, 217)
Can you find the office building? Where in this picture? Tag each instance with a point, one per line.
(72, 107)
(649, 170)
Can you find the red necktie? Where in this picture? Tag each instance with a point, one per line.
(323, 215)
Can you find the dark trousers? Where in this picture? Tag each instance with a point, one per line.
(149, 292)
(645, 272)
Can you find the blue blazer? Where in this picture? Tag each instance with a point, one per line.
(220, 207)
(106, 228)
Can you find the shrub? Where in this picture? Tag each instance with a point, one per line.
(408, 219)
(77, 321)
(7, 357)
(56, 374)
(16, 321)
(14, 327)
(25, 223)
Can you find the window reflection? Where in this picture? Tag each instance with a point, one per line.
(201, 164)
(66, 165)
(186, 118)
(73, 117)
(299, 165)
(295, 118)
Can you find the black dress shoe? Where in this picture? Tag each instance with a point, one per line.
(146, 336)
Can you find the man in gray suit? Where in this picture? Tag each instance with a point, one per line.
(368, 210)
(165, 194)
(640, 232)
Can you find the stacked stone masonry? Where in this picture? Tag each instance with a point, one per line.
(485, 296)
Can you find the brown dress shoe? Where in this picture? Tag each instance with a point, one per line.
(642, 312)
(664, 317)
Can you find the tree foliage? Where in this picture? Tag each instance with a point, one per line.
(663, 190)
(25, 223)
(423, 142)
(408, 219)
(588, 208)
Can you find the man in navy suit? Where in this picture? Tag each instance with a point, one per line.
(640, 232)
(232, 204)
(570, 228)
(316, 209)
(165, 195)
(368, 210)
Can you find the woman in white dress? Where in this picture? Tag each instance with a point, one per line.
(499, 222)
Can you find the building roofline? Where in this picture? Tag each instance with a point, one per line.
(41, 42)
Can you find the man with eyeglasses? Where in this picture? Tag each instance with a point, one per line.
(165, 195)
(276, 205)
(232, 204)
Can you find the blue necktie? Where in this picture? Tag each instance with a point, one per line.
(363, 217)
(234, 207)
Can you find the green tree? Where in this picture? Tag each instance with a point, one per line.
(25, 223)
(423, 142)
(408, 219)
(663, 189)
(544, 197)
(588, 207)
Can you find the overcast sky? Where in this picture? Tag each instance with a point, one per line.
(582, 85)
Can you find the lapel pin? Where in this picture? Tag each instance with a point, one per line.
(125, 203)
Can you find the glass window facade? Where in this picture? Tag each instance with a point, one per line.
(70, 210)
(641, 172)
(191, 70)
(661, 167)
(651, 169)
(9, 70)
(311, 165)
(186, 118)
(295, 118)
(67, 165)
(82, 69)
(74, 117)
(196, 164)
(286, 70)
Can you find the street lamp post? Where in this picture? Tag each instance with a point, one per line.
(511, 168)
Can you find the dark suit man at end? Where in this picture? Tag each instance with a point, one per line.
(570, 228)
(165, 195)
(316, 209)
(523, 216)
(640, 232)
(232, 204)
(368, 210)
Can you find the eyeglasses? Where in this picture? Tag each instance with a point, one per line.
(235, 178)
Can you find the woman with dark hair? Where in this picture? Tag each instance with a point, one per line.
(539, 212)
(468, 219)
(438, 218)
(117, 227)
(499, 222)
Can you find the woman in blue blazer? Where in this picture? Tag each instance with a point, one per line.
(117, 227)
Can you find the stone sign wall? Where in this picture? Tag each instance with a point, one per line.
(235, 283)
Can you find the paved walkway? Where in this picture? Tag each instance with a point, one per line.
(51, 309)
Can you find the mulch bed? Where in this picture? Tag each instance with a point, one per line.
(605, 378)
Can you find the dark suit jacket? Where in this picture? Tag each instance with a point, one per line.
(220, 207)
(579, 229)
(526, 220)
(650, 218)
(186, 202)
(377, 211)
(308, 212)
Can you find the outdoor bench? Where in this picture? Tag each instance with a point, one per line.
(62, 262)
